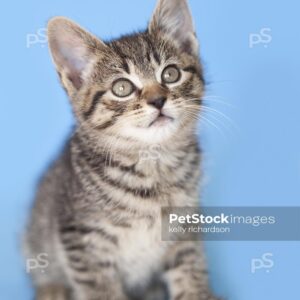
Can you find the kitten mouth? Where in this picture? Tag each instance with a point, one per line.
(161, 120)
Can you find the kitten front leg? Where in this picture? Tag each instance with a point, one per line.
(107, 290)
(186, 275)
(92, 269)
(52, 292)
(97, 281)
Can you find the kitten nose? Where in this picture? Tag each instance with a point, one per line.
(157, 102)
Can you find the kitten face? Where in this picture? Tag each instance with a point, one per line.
(145, 86)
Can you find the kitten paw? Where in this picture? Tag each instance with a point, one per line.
(52, 293)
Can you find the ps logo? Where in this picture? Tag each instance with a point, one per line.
(40, 37)
(263, 37)
(40, 262)
(265, 262)
(151, 154)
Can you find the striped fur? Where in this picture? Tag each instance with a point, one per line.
(97, 209)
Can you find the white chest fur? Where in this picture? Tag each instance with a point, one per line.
(141, 252)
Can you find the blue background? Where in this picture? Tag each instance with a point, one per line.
(252, 145)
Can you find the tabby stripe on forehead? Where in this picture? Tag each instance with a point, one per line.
(123, 57)
(153, 51)
(156, 57)
(94, 103)
(125, 66)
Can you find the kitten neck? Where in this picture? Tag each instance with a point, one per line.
(108, 149)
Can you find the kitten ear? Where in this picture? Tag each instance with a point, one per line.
(73, 51)
(173, 18)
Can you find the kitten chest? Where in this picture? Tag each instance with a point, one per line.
(141, 253)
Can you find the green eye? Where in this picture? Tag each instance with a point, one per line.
(122, 88)
(170, 74)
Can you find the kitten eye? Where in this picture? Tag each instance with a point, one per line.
(170, 74)
(122, 88)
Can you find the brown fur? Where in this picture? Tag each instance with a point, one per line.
(97, 209)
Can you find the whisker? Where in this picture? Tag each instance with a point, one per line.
(215, 126)
(212, 99)
(213, 110)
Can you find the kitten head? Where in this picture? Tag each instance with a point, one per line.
(145, 87)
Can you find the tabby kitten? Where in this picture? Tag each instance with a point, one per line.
(97, 214)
